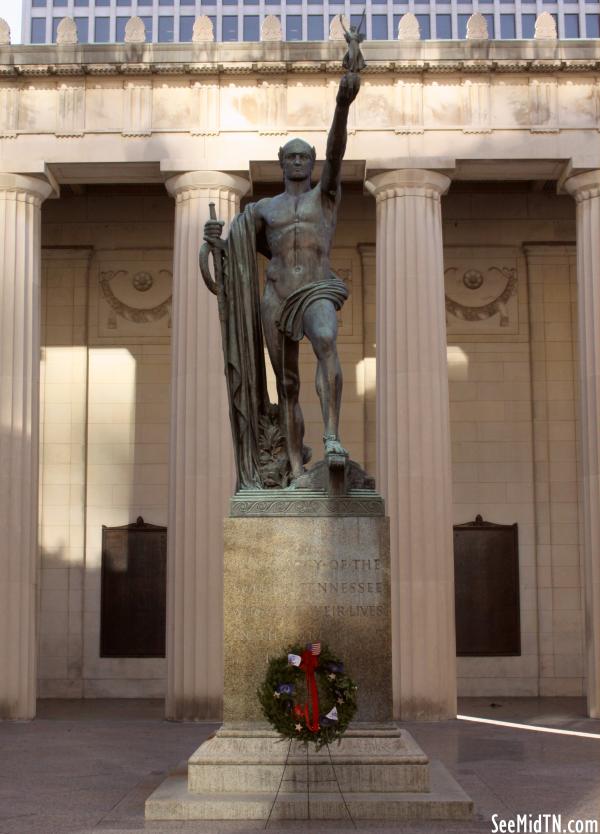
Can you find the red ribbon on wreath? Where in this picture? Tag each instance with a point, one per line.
(309, 663)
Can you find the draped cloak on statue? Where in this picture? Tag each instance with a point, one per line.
(244, 348)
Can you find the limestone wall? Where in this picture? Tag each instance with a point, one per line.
(105, 422)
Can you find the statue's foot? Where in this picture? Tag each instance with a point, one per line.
(333, 446)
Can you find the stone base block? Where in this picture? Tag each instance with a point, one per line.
(381, 771)
(445, 801)
(244, 758)
(299, 580)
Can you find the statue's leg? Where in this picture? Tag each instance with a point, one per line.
(283, 353)
(320, 326)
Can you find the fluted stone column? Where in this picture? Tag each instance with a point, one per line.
(413, 439)
(201, 477)
(585, 188)
(20, 256)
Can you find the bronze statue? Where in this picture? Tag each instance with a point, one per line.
(294, 230)
(353, 59)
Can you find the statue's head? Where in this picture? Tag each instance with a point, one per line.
(297, 159)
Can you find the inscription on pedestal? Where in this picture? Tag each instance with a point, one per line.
(306, 579)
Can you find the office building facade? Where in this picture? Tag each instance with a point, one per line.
(104, 21)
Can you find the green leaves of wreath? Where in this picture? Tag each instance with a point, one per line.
(285, 695)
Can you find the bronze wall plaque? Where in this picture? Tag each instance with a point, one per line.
(486, 587)
(133, 590)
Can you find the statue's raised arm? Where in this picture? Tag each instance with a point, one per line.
(338, 134)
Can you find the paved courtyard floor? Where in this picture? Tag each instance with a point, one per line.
(88, 766)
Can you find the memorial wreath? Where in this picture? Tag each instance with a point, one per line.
(307, 696)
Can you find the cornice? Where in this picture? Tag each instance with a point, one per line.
(531, 66)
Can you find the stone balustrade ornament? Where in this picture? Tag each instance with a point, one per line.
(66, 32)
(271, 29)
(203, 30)
(4, 32)
(408, 28)
(477, 29)
(545, 27)
(336, 27)
(135, 30)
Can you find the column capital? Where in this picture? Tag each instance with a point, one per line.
(196, 183)
(407, 182)
(584, 186)
(34, 188)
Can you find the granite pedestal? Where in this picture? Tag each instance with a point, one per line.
(301, 567)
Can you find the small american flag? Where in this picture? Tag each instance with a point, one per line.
(315, 648)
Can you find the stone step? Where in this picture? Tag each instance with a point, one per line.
(370, 758)
(173, 801)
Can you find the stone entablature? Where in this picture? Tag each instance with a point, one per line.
(264, 91)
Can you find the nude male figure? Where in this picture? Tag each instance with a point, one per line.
(295, 231)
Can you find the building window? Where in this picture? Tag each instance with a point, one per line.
(528, 25)
(55, 22)
(251, 27)
(81, 3)
(121, 24)
(82, 29)
(443, 27)
(58, 3)
(38, 30)
(229, 2)
(102, 2)
(186, 28)
(102, 29)
(147, 21)
(379, 27)
(315, 27)
(123, 2)
(396, 23)
(166, 29)
(187, 2)
(355, 20)
(315, 2)
(273, 2)
(592, 25)
(250, 2)
(489, 19)
(571, 26)
(165, 2)
(38, 4)
(294, 2)
(293, 27)
(374, 2)
(462, 20)
(424, 26)
(508, 26)
(230, 27)
(144, 2)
